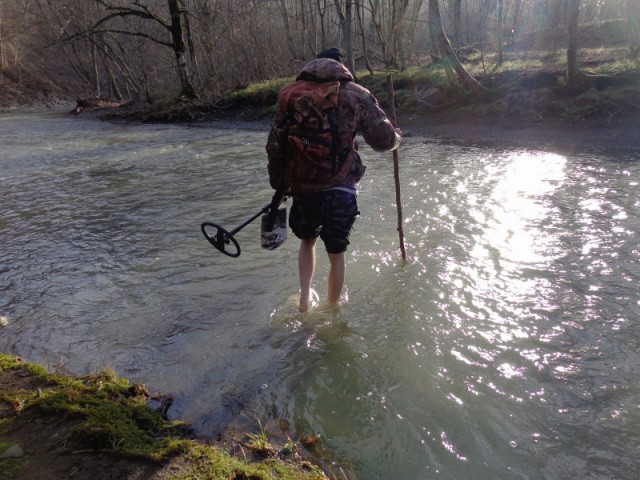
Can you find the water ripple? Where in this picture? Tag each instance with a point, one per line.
(504, 347)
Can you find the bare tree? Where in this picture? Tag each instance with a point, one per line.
(386, 19)
(447, 55)
(174, 27)
(287, 28)
(398, 10)
(345, 18)
(322, 12)
(411, 23)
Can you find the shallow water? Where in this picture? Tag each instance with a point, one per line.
(506, 346)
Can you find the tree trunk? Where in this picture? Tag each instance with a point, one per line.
(95, 71)
(348, 35)
(322, 11)
(411, 22)
(574, 76)
(365, 52)
(2, 46)
(346, 20)
(500, 38)
(287, 28)
(177, 38)
(398, 30)
(457, 22)
(514, 23)
(447, 53)
(303, 31)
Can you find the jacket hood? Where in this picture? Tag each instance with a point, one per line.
(324, 70)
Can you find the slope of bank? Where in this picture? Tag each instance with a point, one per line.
(101, 427)
(501, 125)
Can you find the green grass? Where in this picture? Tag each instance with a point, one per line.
(264, 92)
(205, 462)
(605, 103)
(112, 414)
(259, 441)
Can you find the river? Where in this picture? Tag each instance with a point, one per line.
(506, 346)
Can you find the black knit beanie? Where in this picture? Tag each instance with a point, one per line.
(332, 53)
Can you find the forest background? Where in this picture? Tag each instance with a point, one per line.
(543, 58)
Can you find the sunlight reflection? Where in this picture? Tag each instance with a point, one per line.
(515, 234)
(509, 371)
(511, 245)
(448, 445)
(517, 205)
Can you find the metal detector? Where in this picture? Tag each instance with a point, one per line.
(274, 220)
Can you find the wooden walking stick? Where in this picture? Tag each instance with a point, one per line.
(396, 168)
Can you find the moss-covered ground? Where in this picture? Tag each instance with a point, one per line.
(97, 427)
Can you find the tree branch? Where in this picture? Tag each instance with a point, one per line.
(90, 33)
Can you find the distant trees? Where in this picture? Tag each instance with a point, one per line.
(173, 29)
(15, 19)
(138, 48)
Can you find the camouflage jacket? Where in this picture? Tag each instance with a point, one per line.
(358, 113)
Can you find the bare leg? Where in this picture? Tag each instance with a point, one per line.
(306, 267)
(336, 277)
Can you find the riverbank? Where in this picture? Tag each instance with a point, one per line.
(620, 132)
(101, 427)
(517, 113)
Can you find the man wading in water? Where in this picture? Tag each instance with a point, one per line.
(313, 157)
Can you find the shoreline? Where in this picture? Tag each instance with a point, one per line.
(622, 134)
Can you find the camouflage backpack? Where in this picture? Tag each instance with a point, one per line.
(311, 131)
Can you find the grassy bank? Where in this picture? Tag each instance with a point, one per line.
(524, 88)
(60, 427)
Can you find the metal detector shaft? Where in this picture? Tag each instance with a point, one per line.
(265, 209)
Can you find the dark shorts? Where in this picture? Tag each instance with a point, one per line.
(329, 214)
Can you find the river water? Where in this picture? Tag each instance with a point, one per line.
(506, 346)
